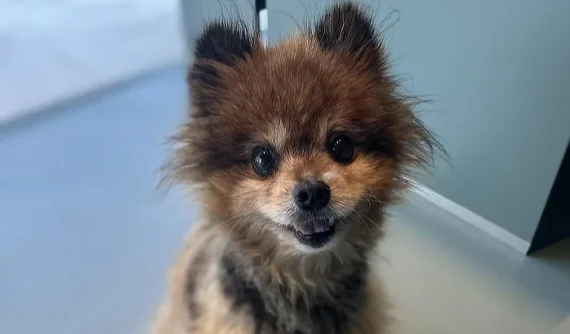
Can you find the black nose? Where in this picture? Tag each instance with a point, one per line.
(312, 195)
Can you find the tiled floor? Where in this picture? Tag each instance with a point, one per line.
(85, 238)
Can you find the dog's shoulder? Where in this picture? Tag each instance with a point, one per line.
(195, 302)
(374, 317)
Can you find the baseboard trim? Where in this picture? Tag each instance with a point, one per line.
(471, 217)
(47, 108)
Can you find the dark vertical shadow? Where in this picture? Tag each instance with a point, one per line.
(260, 4)
(554, 224)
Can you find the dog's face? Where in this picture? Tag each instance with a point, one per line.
(302, 144)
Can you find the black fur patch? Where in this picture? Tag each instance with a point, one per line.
(244, 293)
(272, 312)
(222, 42)
(347, 28)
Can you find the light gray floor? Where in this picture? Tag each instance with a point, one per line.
(447, 277)
(85, 239)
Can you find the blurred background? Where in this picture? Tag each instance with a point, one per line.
(91, 89)
(56, 50)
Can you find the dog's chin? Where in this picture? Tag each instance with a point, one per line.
(316, 234)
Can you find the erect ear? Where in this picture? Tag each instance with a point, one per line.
(346, 28)
(221, 43)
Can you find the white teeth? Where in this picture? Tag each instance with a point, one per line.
(306, 229)
(321, 228)
(317, 226)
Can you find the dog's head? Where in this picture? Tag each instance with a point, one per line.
(299, 145)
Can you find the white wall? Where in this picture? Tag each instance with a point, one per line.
(53, 50)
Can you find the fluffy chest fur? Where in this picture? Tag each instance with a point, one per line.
(274, 308)
(213, 291)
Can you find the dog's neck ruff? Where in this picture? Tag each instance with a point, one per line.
(278, 303)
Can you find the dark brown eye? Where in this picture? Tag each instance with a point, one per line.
(341, 149)
(263, 160)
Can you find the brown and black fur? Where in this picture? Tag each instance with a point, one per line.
(240, 272)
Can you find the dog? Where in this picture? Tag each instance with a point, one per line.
(295, 151)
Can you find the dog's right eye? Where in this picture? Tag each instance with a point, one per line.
(341, 149)
(263, 160)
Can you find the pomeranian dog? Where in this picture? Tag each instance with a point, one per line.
(295, 151)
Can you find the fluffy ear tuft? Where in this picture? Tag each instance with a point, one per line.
(222, 42)
(345, 27)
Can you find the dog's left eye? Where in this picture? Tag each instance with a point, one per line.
(341, 149)
(263, 161)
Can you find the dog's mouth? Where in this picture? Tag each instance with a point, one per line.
(314, 233)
